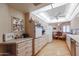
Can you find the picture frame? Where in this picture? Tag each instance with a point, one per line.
(17, 26)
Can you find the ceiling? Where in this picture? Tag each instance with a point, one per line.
(49, 12)
(56, 12)
(53, 13)
(27, 7)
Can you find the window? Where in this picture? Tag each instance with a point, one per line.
(66, 28)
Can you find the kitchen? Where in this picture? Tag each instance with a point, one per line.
(27, 31)
(70, 26)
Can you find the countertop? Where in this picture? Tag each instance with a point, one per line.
(15, 41)
(74, 37)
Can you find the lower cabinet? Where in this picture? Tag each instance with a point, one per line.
(71, 43)
(24, 48)
(40, 43)
(20, 47)
(68, 41)
(73, 47)
(77, 49)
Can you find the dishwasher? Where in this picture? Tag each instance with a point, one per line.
(77, 48)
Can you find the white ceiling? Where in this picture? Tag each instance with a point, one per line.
(47, 11)
(59, 11)
(52, 15)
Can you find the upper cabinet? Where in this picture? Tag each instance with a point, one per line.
(75, 20)
(75, 23)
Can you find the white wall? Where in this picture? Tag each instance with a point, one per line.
(60, 27)
(16, 13)
(56, 26)
(5, 20)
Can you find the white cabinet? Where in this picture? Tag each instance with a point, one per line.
(77, 49)
(75, 23)
(49, 33)
(24, 48)
(40, 43)
(68, 41)
(38, 32)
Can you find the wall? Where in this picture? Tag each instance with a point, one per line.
(5, 20)
(16, 13)
(60, 27)
(65, 24)
(55, 26)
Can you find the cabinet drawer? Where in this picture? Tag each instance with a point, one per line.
(21, 44)
(22, 54)
(26, 43)
(20, 50)
(29, 45)
(30, 41)
(24, 49)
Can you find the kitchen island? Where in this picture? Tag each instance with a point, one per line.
(16, 47)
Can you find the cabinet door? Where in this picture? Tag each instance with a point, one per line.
(68, 41)
(77, 49)
(73, 47)
(38, 32)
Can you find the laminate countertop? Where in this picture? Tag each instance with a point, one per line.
(74, 37)
(13, 41)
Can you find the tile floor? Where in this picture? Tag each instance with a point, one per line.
(56, 48)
